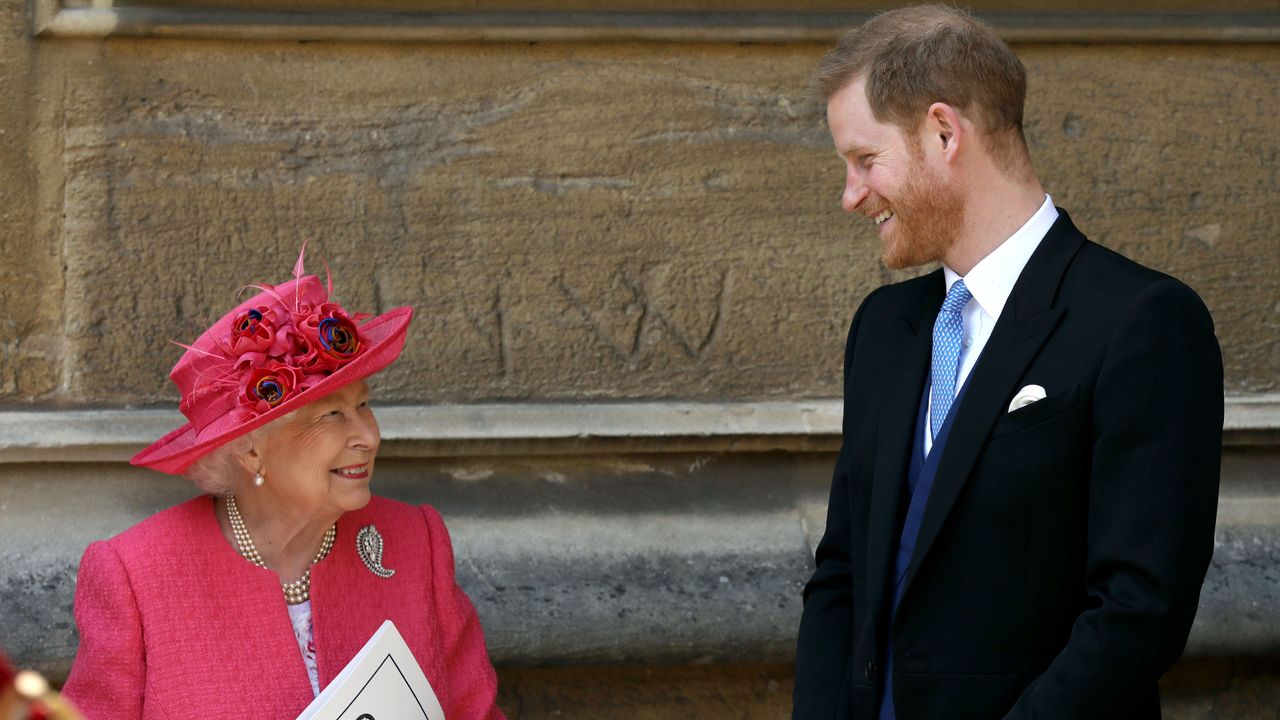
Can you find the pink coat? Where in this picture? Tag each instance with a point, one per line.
(175, 624)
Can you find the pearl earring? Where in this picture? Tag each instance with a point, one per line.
(258, 479)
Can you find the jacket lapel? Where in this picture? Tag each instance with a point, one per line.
(1028, 320)
(909, 350)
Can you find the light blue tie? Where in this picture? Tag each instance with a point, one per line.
(948, 332)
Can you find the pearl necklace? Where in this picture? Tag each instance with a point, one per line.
(296, 592)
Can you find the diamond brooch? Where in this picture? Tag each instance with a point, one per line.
(369, 547)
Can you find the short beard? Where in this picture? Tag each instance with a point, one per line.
(928, 213)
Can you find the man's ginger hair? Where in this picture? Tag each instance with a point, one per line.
(915, 56)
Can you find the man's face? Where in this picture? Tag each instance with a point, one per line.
(889, 180)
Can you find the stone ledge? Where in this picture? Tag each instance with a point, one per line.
(52, 20)
(532, 429)
(655, 589)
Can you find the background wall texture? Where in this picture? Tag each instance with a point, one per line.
(613, 228)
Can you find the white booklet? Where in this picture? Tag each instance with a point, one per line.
(382, 682)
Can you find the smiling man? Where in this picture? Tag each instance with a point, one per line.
(1022, 510)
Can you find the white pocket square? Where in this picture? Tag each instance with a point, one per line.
(1026, 396)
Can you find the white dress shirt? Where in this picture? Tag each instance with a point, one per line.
(990, 282)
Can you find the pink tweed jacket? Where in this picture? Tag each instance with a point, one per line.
(175, 624)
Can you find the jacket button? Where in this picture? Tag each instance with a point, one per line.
(871, 670)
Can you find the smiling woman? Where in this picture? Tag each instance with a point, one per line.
(320, 457)
(246, 601)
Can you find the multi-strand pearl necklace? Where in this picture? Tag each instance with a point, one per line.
(296, 592)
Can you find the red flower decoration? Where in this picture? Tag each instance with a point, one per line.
(339, 338)
(267, 387)
(330, 337)
(302, 355)
(277, 352)
(253, 331)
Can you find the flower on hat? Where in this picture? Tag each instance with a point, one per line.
(280, 354)
(253, 331)
(326, 338)
(274, 350)
(257, 339)
(339, 338)
(267, 387)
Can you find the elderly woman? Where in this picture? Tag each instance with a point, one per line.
(248, 600)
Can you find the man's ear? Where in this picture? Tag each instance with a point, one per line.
(943, 130)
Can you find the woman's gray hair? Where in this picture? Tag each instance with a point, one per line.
(220, 471)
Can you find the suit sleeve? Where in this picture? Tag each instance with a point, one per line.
(109, 673)
(826, 632)
(1153, 490)
(473, 685)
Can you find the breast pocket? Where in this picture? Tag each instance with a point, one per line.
(1052, 405)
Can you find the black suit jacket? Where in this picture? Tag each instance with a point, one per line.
(1062, 549)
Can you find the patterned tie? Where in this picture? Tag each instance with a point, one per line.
(948, 330)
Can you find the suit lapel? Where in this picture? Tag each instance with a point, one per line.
(909, 351)
(1027, 321)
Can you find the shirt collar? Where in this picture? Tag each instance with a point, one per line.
(992, 279)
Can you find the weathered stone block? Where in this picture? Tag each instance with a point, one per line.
(1159, 157)
(663, 558)
(586, 221)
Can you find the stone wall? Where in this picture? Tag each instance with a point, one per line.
(646, 228)
(571, 221)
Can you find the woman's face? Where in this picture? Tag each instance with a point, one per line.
(320, 460)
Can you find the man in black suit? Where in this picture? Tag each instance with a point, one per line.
(1023, 506)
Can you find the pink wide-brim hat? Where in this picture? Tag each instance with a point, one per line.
(231, 386)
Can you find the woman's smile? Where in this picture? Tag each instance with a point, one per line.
(352, 472)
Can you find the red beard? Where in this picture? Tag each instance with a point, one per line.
(927, 218)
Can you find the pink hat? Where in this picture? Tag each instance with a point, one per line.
(283, 348)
